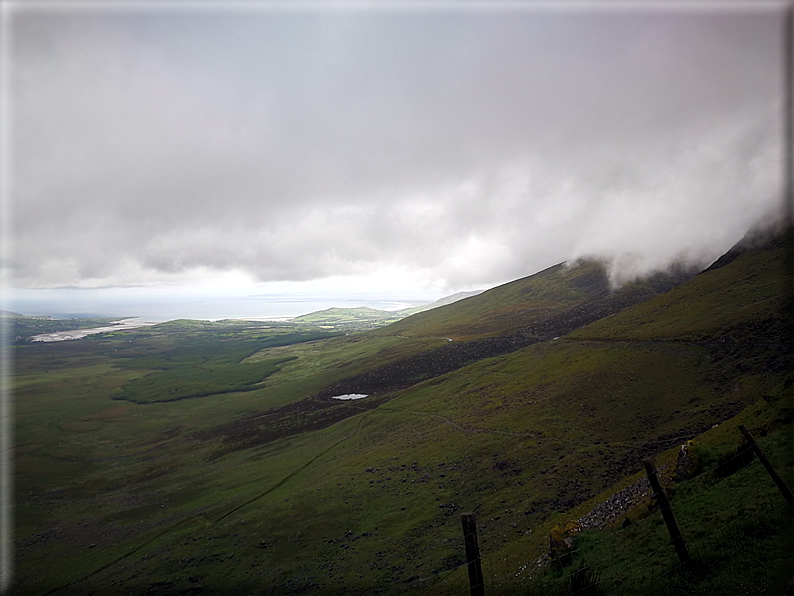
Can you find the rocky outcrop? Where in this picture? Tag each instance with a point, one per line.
(616, 505)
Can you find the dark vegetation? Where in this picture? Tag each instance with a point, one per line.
(208, 365)
(186, 379)
(541, 408)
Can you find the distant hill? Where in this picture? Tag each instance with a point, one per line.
(7, 314)
(348, 319)
(363, 317)
(440, 302)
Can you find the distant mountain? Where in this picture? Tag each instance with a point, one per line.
(694, 349)
(440, 302)
(742, 298)
(7, 314)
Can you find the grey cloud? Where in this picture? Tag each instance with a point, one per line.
(474, 148)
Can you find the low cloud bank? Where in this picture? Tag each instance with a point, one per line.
(458, 150)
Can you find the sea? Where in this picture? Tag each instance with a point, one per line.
(162, 308)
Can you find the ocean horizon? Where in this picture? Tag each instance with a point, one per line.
(168, 308)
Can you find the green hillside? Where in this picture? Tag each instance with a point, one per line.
(348, 319)
(744, 300)
(527, 304)
(363, 318)
(545, 412)
(538, 308)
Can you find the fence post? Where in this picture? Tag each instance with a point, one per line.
(760, 454)
(476, 582)
(676, 539)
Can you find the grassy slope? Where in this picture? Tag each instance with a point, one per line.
(354, 319)
(497, 310)
(536, 305)
(372, 501)
(737, 528)
(742, 301)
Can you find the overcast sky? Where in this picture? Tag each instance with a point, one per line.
(360, 146)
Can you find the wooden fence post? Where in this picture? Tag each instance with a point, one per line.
(760, 454)
(676, 539)
(476, 582)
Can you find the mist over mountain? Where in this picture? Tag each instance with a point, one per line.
(442, 151)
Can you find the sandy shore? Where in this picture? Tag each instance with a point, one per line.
(122, 325)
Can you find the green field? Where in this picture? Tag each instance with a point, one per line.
(209, 458)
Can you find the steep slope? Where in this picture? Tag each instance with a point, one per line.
(529, 303)
(541, 307)
(502, 309)
(440, 302)
(743, 297)
(723, 330)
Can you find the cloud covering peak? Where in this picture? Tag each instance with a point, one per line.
(461, 148)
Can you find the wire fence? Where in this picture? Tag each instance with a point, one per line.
(654, 553)
(644, 543)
